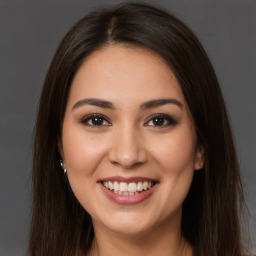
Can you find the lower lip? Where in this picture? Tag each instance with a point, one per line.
(127, 199)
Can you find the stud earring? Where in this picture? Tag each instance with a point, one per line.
(62, 166)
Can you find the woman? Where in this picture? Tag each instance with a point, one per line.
(132, 112)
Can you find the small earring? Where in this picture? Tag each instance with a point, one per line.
(62, 166)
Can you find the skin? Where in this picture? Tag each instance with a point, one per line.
(130, 143)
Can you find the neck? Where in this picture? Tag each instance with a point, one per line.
(165, 242)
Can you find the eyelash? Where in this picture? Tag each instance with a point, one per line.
(165, 120)
(90, 118)
(168, 120)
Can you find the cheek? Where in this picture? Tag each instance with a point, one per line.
(82, 153)
(175, 157)
(176, 154)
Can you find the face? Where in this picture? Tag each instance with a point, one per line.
(128, 143)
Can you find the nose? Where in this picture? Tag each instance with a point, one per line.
(128, 149)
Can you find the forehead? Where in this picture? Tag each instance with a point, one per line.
(118, 72)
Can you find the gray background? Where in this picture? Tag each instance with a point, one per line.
(30, 31)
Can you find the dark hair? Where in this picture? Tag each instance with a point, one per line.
(210, 217)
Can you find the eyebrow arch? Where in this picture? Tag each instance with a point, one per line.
(160, 102)
(94, 102)
(143, 106)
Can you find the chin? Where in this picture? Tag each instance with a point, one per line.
(126, 224)
(128, 229)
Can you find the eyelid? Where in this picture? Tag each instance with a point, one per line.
(85, 119)
(170, 119)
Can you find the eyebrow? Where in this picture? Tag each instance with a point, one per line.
(144, 106)
(94, 102)
(159, 102)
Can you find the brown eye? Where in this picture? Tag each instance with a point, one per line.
(96, 120)
(160, 120)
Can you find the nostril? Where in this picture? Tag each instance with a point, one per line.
(127, 158)
(127, 148)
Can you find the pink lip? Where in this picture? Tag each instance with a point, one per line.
(127, 199)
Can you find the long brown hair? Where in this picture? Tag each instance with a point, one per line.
(210, 217)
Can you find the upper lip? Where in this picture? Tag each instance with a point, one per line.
(127, 179)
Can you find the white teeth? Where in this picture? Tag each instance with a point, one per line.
(123, 188)
(116, 186)
(132, 187)
(110, 185)
(145, 185)
(139, 186)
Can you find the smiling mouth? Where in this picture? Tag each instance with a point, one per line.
(124, 188)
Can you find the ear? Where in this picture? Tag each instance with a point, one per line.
(199, 158)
